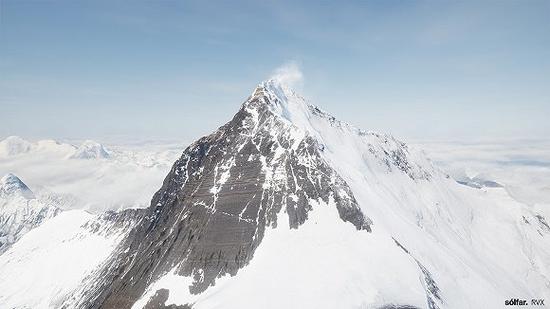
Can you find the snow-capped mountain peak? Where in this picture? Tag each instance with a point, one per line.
(282, 101)
(90, 150)
(11, 185)
(20, 211)
(284, 199)
(337, 138)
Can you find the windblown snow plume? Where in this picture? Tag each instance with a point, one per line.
(289, 75)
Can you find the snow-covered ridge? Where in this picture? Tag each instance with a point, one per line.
(44, 266)
(45, 251)
(335, 135)
(287, 103)
(20, 210)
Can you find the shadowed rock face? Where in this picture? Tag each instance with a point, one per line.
(159, 299)
(215, 204)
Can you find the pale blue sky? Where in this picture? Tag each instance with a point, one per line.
(178, 69)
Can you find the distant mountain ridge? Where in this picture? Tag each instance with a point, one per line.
(88, 149)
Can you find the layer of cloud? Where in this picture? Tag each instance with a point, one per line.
(127, 179)
(522, 167)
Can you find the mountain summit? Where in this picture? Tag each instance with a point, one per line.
(12, 185)
(20, 211)
(90, 150)
(285, 206)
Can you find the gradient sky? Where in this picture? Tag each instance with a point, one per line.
(446, 70)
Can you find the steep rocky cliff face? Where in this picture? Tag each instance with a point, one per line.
(215, 204)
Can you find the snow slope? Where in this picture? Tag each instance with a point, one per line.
(45, 265)
(326, 263)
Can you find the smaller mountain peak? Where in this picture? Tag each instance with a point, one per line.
(14, 145)
(10, 184)
(90, 150)
(9, 177)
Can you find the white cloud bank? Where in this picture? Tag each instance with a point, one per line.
(127, 178)
(523, 168)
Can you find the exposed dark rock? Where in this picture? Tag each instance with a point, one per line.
(401, 246)
(433, 294)
(432, 290)
(112, 221)
(543, 223)
(217, 201)
(158, 301)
